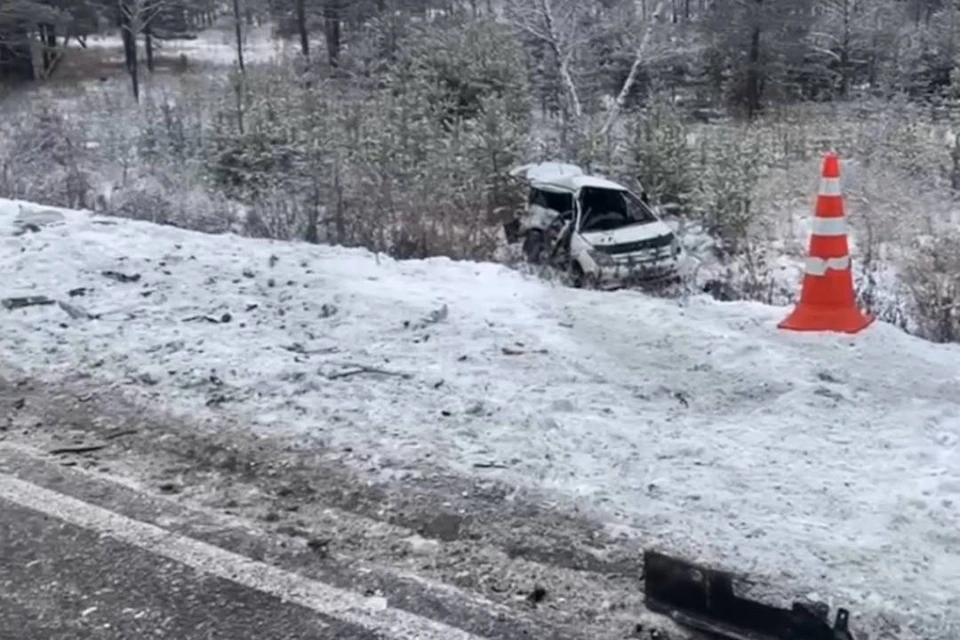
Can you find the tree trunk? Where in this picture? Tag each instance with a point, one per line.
(129, 50)
(311, 233)
(16, 58)
(845, 70)
(148, 42)
(955, 173)
(237, 20)
(574, 107)
(754, 77)
(48, 36)
(129, 44)
(135, 70)
(238, 93)
(341, 225)
(331, 22)
(302, 26)
(638, 60)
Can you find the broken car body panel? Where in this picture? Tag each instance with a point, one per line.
(705, 599)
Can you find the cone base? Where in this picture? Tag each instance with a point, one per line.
(807, 317)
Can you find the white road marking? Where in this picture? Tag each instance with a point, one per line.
(342, 604)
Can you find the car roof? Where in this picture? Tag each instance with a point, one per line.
(554, 176)
(575, 183)
(537, 171)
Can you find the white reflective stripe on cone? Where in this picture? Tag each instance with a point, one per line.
(830, 226)
(830, 187)
(819, 266)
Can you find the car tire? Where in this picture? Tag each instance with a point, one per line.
(578, 279)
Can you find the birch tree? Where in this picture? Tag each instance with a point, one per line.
(238, 32)
(644, 54)
(567, 27)
(557, 24)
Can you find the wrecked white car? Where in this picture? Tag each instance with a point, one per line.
(597, 230)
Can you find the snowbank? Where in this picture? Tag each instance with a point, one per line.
(828, 463)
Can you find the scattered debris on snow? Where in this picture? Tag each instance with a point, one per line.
(121, 277)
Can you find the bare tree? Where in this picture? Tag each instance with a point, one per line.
(18, 20)
(642, 55)
(755, 76)
(238, 28)
(333, 22)
(560, 24)
(302, 28)
(555, 23)
(136, 16)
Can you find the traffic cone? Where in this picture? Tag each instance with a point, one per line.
(827, 299)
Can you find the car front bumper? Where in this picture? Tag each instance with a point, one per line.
(619, 275)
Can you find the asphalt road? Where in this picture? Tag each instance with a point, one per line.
(193, 531)
(64, 581)
(87, 557)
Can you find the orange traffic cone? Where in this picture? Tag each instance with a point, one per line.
(827, 300)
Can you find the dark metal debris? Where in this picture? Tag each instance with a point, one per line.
(28, 301)
(121, 277)
(703, 599)
(78, 448)
(538, 595)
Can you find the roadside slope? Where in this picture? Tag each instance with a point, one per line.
(821, 462)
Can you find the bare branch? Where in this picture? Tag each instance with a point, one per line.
(139, 14)
(555, 23)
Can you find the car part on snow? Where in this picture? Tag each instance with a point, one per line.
(29, 301)
(121, 277)
(827, 299)
(703, 599)
(33, 220)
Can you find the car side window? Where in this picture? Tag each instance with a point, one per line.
(562, 203)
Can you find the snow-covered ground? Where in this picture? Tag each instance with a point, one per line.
(215, 46)
(824, 463)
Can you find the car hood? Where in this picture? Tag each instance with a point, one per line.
(631, 233)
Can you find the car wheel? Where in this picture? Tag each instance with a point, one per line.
(533, 246)
(578, 279)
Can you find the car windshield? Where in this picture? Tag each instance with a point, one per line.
(608, 209)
